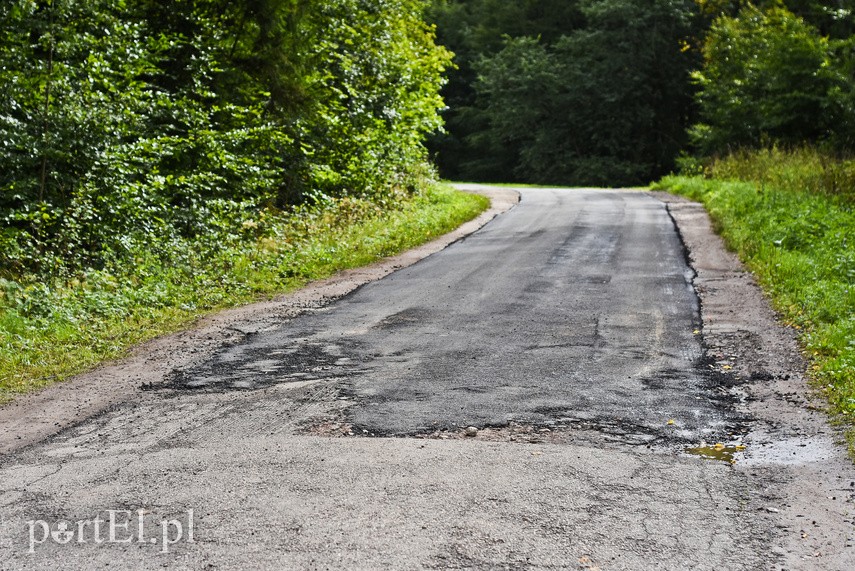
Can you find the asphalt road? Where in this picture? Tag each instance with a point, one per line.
(568, 332)
(573, 308)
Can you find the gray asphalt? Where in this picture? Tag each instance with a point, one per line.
(572, 308)
(565, 331)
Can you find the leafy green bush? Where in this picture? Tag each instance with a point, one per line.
(766, 76)
(160, 159)
(129, 127)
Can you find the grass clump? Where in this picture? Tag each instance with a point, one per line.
(789, 216)
(802, 169)
(53, 328)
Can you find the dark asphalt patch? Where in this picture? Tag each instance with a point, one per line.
(246, 366)
(576, 305)
(564, 423)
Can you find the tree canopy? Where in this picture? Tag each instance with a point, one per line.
(611, 91)
(129, 125)
(768, 75)
(124, 120)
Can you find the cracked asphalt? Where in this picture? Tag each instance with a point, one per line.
(589, 337)
(574, 307)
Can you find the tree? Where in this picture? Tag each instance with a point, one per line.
(605, 104)
(473, 30)
(139, 125)
(765, 78)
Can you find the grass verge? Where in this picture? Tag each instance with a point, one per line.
(800, 244)
(50, 331)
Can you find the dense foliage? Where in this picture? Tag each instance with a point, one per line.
(610, 91)
(599, 95)
(604, 105)
(770, 76)
(473, 30)
(131, 129)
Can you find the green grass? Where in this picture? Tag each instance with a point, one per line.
(50, 331)
(797, 234)
(804, 169)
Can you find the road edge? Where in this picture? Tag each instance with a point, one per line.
(790, 429)
(34, 417)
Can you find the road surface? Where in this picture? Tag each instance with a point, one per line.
(549, 392)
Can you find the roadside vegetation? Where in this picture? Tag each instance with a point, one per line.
(789, 215)
(770, 160)
(610, 92)
(159, 160)
(50, 329)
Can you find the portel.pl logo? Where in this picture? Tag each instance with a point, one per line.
(117, 526)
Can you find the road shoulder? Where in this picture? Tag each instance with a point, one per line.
(791, 440)
(31, 418)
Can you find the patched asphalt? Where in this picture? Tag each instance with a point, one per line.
(573, 307)
(529, 397)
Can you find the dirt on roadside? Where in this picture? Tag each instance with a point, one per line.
(746, 341)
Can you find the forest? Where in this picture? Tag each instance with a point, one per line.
(140, 129)
(613, 92)
(129, 126)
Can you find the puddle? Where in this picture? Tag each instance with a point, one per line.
(793, 451)
(719, 452)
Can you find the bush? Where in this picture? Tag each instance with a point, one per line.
(766, 77)
(131, 127)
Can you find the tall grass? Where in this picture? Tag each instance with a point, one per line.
(803, 169)
(789, 216)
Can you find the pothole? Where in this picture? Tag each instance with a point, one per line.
(249, 367)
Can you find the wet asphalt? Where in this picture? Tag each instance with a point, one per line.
(574, 308)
